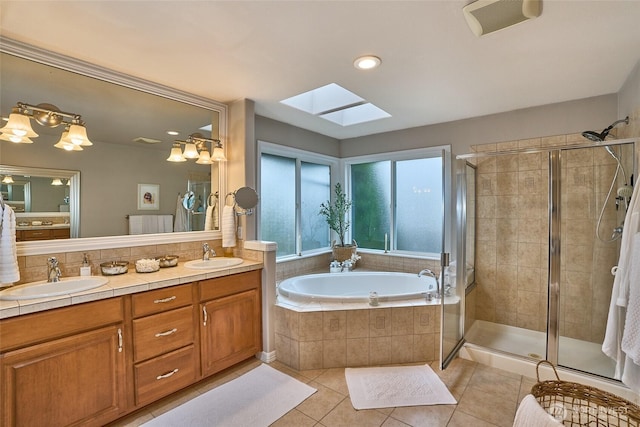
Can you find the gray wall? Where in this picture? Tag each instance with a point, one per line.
(629, 94)
(109, 178)
(548, 120)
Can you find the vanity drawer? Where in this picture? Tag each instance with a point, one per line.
(165, 374)
(161, 300)
(163, 332)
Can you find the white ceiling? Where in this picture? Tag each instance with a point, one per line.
(433, 68)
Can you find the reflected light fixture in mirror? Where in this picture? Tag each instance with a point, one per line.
(195, 147)
(18, 128)
(8, 179)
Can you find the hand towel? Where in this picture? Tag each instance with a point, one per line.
(228, 227)
(531, 414)
(180, 221)
(150, 224)
(631, 334)
(208, 219)
(9, 271)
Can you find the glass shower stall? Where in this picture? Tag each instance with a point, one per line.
(546, 231)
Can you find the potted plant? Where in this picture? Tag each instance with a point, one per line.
(336, 216)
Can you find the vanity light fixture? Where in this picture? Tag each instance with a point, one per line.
(196, 148)
(56, 181)
(8, 179)
(18, 129)
(367, 62)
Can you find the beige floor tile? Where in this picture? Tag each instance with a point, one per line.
(460, 419)
(291, 372)
(294, 418)
(334, 379)
(320, 403)
(492, 407)
(345, 415)
(392, 422)
(432, 415)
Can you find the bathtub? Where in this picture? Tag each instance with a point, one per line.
(356, 286)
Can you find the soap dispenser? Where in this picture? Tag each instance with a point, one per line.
(85, 270)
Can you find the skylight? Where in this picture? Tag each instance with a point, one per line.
(337, 104)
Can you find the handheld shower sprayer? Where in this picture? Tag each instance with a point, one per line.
(598, 137)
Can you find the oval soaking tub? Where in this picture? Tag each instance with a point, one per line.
(356, 286)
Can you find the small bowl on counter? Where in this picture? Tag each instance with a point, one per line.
(113, 268)
(168, 261)
(147, 265)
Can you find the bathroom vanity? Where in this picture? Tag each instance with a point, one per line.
(90, 363)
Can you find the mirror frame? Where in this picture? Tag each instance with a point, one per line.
(42, 56)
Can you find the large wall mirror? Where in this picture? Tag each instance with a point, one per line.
(128, 121)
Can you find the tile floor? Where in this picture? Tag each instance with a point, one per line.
(486, 397)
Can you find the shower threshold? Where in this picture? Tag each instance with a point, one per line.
(576, 354)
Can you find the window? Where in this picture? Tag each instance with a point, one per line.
(398, 200)
(293, 184)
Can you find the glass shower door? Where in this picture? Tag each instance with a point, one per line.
(592, 211)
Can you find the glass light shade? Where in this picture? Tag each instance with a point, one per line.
(78, 135)
(19, 125)
(176, 154)
(190, 151)
(7, 180)
(65, 143)
(218, 155)
(205, 158)
(56, 181)
(15, 138)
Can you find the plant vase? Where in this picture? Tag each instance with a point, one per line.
(343, 253)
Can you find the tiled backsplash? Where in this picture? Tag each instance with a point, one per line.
(34, 267)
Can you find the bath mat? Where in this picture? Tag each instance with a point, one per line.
(257, 398)
(393, 386)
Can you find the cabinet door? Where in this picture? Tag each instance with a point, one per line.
(69, 381)
(230, 330)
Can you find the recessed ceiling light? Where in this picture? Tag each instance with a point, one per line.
(173, 132)
(366, 62)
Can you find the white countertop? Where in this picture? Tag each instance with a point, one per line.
(124, 284)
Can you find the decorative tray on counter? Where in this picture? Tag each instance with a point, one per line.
(168, 261)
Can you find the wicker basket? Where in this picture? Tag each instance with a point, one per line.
(343, 253)
(581, 405)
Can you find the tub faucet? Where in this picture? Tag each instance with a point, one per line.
(53, 270)
(427, 272)
(207, 252)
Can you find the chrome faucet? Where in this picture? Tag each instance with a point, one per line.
(427, 272)
(207, 252)
(53, 271)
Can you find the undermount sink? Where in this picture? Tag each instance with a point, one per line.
(43, 289)
(210, 264)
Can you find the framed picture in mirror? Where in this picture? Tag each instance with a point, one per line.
(149, 197)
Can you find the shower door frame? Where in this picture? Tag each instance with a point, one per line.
(554, 196)
(554, 285)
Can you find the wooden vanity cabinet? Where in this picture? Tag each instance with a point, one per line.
(63, 367)
(230, 320)
(165, 354)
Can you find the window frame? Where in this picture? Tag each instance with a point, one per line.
(299, 156)
(441, 151)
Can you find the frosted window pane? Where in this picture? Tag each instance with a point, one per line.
(370, 214)
(278, 203)
(315, 189)
(419, 205)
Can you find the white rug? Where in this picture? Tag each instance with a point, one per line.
(390, 387)
(257, 398)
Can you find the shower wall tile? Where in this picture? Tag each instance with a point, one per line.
(507, 253)
(506, 228)
(506, 183)
(529, 143)
(508, 163)
(555, 141)
(506, 207)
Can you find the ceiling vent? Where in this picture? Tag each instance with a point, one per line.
(487, 16)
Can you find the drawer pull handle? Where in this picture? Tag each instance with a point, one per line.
(163, 300)
(119, 340)
(164, 334)
(167, 375)
(204, 316)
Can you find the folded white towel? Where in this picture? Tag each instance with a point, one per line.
(208, 219)
(9, 271)
(228, 227)
(531, 414)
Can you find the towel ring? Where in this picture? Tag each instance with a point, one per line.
(209, 199)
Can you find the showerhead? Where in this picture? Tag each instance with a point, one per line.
(597, 137)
